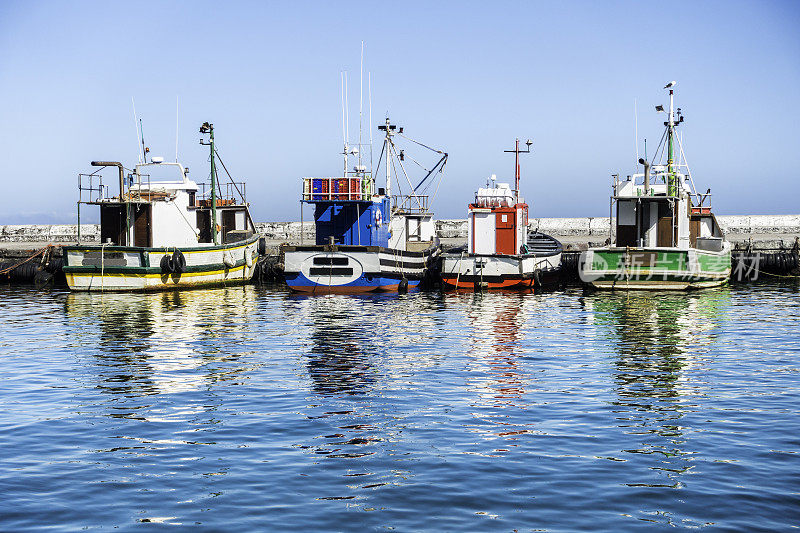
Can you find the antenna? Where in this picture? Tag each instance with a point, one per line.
(347, 114)
(360, 102)
(176, 128)
(636, 129)
(344, 132)
(369, 87)
(144, 148)
(136, 127)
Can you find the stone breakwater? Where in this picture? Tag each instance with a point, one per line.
(765, 232)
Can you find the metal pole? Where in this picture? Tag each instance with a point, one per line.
(516, 169)
(213, 190)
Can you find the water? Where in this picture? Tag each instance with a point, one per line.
(252, 409)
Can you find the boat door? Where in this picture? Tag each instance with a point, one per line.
(228, 223)
(506, 232)
(142, 234)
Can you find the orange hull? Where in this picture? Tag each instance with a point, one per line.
(455, 283)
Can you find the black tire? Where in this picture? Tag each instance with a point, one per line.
(167, 265)
(262, 246)
(402, 287)
(178, 262)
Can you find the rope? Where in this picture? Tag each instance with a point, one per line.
(102, 266)
(419, 143)
(458, 276)
(37, 254)
(779, 275)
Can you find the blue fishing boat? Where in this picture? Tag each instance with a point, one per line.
(367, 239)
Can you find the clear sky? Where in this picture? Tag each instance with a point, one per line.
(467, 77)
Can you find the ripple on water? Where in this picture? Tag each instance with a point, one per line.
(252, 408)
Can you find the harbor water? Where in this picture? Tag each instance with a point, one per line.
(250, 408)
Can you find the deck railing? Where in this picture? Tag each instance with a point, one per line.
(358, 188)
(230, 193)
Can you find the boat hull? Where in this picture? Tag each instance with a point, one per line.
(128, 268)
(513, 272)
(655, 268)
(326, 269)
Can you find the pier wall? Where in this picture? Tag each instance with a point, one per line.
(764, 231)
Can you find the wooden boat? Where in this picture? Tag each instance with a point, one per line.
(162, 231)
(500, 251)
(666, 235)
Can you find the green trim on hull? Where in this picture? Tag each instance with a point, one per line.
(656, 269)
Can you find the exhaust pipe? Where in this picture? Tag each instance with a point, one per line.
(646, 176)
(121, 173)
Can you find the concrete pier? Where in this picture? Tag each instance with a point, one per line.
(763, 232)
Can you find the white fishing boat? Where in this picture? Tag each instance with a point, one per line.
(666, 235)
(501, 253)
(163, 231)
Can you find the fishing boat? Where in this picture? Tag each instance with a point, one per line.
(666, 234)
(367, 238)
(501, 253)
(162, 231)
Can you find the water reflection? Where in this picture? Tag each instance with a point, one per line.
(660, 342)
(496, 348)
(342, 349)
(160, 343)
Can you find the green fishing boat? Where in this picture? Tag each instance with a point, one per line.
(666, 234)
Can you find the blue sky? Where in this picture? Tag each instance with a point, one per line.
(467, 77)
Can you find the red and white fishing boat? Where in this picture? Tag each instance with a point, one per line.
(500, 252)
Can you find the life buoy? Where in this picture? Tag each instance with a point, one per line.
(178, 262)
(378, 217)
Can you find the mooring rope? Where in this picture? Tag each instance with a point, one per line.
(37, 254)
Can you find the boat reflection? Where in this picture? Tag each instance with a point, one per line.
(496, 347)
(161, 343)
(355, 347)
(342, 348)
(660, 342)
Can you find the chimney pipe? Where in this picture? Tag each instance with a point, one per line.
(121, 173)
(646, 176)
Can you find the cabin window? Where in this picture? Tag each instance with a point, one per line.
(192, 198)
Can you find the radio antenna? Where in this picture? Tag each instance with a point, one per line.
(136, 127)
(176, 128)
(360, 101)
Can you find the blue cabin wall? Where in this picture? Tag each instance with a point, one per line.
(352, 223)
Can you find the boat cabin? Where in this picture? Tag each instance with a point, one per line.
(497, 221)
(159, 206)
(346, 210)
(658, 210)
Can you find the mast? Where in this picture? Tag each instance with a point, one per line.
(388, 159)
(389, 128)
(516, 151)
(213, 189)
(671, 146)
(516, 171)
(209, 128)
